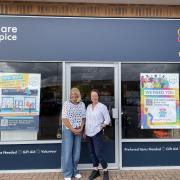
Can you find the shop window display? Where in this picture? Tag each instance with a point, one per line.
(50, 100)
(132, 127)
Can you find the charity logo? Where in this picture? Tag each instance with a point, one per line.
(173, 79)
(178, 35)
(8, 33)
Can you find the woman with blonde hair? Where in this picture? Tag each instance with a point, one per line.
(73, 117)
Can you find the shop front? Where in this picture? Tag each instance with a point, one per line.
(133, 62)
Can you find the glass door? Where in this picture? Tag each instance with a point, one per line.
(104, 77)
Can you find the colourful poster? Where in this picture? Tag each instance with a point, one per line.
(159, 100)
(19, 101)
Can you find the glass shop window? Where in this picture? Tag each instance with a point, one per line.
(150, 101)
(30, 101)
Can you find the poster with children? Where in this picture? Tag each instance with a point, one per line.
(159, 100)
(19, 101)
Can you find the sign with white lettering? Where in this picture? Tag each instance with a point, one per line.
(159, 100)
(30, 38)
(146, 154)
(8, 33)
(30, 156)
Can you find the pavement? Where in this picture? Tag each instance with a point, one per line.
(114, 175)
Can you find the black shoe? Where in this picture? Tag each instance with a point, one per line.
(105, 175)
(94, 174)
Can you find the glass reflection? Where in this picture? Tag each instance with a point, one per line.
(131, 118)
(101, 78)
(50, 95)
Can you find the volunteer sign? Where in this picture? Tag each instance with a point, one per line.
(159, 100)
(19, 101)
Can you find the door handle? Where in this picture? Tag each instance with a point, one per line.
(115, 113)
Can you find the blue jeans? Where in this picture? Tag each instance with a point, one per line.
(71, 147)
(95, 145)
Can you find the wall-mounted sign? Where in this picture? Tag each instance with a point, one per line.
(19, 101)
(159, 100)
(46, 38)
(146, 154)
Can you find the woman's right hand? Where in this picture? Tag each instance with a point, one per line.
(76, 131)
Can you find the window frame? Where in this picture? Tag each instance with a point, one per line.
(120, 118)
(49, 141)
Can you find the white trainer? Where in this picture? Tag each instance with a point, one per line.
(67, 178)
(78, 176)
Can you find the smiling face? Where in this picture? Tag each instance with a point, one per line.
(94, 97)
(74, 97)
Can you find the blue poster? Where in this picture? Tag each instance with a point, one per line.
(19, 101)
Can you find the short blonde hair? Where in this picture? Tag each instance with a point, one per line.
(76, 91)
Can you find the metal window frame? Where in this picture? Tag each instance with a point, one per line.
(53, 141)
(122, 140)
(114, 65)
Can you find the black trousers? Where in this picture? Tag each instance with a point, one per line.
(95, 145)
